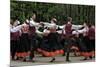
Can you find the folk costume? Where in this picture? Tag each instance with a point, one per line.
(24, 46)
(15, 37)
(14, 43)
(91, 37)
(68, 40)
(51, 45)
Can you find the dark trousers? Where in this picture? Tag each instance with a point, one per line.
(32, 54)
(35, 41)
(68, 45)
(92, 44)
(13, 47)
(32, 47)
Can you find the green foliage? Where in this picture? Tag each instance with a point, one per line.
(45, 11)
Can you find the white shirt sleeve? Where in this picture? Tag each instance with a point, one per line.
(59, 31)
(82, 31)
(32, 23)
(61, 26)
(15, 29)
(75, 32)
(76, 27)
(46, 31)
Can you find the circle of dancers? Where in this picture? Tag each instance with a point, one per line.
(51, 40)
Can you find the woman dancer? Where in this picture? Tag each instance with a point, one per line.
(51, 43)
(14, 41)
(24, 46)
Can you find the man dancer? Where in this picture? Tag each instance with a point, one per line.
(68, 41)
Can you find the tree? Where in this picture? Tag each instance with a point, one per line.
(45, 11)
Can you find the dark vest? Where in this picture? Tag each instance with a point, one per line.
(15, 35)
(91, 33)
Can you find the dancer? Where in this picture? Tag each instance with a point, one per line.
(51, 43)
(24, 46)
(33, 42)
(68, 34)
(14, 41)
(91, 37)
(84, 42)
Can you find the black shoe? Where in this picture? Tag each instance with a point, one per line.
(93, 57)
(17, 58)
(68, 61)
(52, 60)
(85, 59)
(24, 60)
(63, 54)
(90, 57)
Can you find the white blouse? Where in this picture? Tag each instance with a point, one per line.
(15, 29)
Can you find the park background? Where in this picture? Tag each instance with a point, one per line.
(4, 35)
(22, 10)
